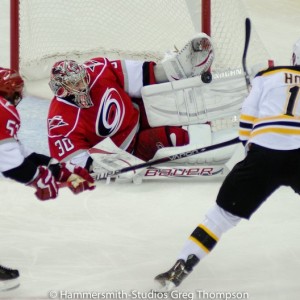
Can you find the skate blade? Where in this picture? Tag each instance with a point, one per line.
(11, 284)
(166, 286)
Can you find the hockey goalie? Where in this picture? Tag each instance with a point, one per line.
(107, 115)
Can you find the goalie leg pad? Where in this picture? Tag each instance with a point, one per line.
(190, 101)
(150, 140)
(200, 135)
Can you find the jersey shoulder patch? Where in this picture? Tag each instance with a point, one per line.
(62, 119)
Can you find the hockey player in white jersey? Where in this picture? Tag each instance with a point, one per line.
(270, 131)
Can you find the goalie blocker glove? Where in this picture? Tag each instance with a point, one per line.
(193, 59)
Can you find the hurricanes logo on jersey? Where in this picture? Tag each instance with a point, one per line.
(111, 113)
(56, 122)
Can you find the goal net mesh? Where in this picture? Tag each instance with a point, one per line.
(135, 29)
(51, 30)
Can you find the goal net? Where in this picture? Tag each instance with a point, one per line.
(50, 30)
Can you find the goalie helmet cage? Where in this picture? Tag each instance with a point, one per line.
(43, 32)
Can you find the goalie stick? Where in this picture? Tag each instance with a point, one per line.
(184, 171)
(247, 39)
(166, 159)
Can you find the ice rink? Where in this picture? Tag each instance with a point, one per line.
(114, 240)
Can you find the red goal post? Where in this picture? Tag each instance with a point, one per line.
(45, 31)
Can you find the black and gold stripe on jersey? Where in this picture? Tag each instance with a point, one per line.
(246, 125)
(204, 238)
(273, 70)
(283, 124)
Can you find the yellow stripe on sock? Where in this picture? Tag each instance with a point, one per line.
(199, 244)
(210, 233)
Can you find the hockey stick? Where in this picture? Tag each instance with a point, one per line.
(247, 39)
(170, 158)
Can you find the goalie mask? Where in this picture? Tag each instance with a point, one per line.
(11, 86)
(70, 80)
(296, 54)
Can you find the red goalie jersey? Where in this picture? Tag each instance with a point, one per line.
(109, 105)
(73, 130)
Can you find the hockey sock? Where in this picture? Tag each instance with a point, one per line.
(205, 236)
(199, 243)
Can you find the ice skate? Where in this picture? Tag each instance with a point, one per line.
(9, 278)
(173, 278)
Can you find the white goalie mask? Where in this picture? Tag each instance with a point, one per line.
(67, 79)
(296, 54)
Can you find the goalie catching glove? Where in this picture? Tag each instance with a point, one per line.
(193, 59)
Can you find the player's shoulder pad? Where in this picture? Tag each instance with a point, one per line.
(271, 70)
(7, 108)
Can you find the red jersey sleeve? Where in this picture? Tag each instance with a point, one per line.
(9, 121)
(13, 164)
(131, 75)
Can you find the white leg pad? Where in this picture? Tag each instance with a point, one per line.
(190, 101)
(200, 134)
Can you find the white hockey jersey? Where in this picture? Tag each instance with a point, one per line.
(270, 115)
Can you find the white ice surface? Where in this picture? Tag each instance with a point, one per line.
(118, 237)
